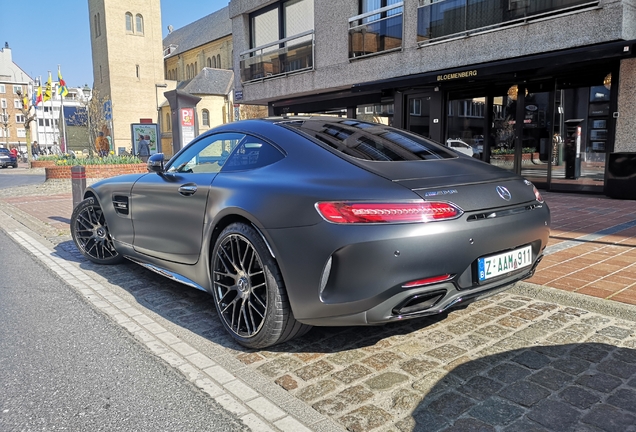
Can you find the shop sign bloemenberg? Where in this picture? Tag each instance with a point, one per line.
(457, 75)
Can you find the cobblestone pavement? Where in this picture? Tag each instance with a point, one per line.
(529, 359)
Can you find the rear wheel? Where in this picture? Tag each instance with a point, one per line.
(91, 235)
(249, 292)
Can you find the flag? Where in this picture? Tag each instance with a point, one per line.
(38, 98)
(47, 89)
(61, 90)
(25, 103)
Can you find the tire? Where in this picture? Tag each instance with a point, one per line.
(91, 235)
(249, 292)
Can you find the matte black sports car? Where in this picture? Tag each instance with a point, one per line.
(294, 222)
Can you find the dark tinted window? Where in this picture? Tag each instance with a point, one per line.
(370, 141)
(252, 153)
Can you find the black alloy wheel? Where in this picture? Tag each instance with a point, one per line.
(248, 290)
(90, 233)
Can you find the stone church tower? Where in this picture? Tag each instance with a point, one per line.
(127, 49)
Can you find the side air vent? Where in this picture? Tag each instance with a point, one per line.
(120, 202)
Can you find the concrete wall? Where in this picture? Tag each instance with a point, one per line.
(614, 20)
(625, 125)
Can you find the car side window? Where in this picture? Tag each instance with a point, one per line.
(207, 155)
(252, 153)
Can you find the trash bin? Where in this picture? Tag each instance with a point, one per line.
(621, 176)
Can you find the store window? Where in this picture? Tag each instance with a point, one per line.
(466, 124)
(376, 113)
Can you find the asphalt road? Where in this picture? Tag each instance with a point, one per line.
(65, 366)
(11, 177)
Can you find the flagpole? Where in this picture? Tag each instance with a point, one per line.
(59, 74)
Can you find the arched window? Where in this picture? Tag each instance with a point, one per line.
(205, 117)
(168, 121)
(218, 61)
(95, 25)
(139, 24)
(196, 69)
(187, 72)
(214, 62)
(129, 23)
(209, 62)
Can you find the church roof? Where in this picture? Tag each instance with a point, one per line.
(207, 29)
(209, 82)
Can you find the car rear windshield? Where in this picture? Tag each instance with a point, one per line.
(370, 141)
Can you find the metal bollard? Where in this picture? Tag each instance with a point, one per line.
(78, 183)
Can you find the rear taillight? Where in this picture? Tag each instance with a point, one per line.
(537, 194)
(347, 212)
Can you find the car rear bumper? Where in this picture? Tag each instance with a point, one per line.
(356, 275)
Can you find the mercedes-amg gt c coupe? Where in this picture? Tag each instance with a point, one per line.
(292, 222)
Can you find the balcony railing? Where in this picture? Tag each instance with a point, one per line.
(376, 31)
(446, 18)
(284, 56)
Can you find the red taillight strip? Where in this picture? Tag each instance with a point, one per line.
(427, 281)
(349, 212)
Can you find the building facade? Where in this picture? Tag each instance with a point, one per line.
(198, 61)
(13, 81)
(541, 87)
(127, 64)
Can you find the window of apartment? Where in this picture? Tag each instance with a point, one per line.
(21, 133)
(129, 22)
(139, 24)
(17, 104)
(205, 117)
(2, 88)
(3, 103)
(17, 89)
(19, 118)
(47, 122)
(2, 133)
(40, 122)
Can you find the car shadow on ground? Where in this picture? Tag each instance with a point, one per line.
(194, 310)
(573, 387)
(60, 219)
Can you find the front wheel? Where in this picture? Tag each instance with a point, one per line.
(91, 235)
(249, 292)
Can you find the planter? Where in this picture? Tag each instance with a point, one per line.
(42, 164)
(96, 171)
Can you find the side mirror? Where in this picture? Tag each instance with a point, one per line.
(155, 163)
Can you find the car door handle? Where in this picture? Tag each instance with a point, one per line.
(187, 190)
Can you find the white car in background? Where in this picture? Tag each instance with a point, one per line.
(460, 146)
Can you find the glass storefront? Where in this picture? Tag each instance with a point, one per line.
(556, 132)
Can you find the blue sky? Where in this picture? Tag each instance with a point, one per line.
(43, 34)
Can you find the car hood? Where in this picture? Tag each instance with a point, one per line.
(466, 182)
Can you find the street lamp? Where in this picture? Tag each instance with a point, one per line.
(87, 96)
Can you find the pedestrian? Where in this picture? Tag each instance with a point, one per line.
(14, 152)
(101, 145)
(55, 149)
(143, 150)
(35, 150)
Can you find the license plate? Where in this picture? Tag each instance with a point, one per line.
(500, 264)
